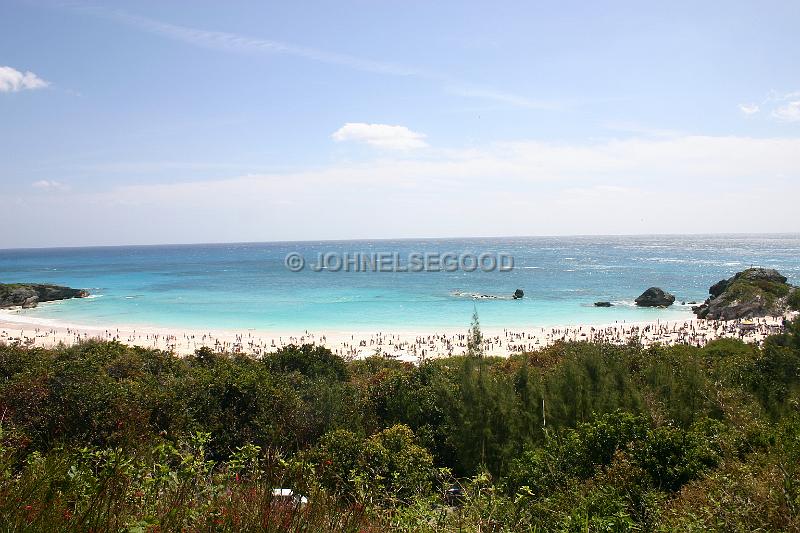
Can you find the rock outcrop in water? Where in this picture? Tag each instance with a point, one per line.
(754, 292)
(655, 297)
(518, 294)
(29, 295)
(603, 304)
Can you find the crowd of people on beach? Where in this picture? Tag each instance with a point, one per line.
(409, 346)
(692, 332)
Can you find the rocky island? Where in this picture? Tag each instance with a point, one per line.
(27, 295)
(655, 297)
(755, 292)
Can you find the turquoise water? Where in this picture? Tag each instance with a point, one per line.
(236, 286)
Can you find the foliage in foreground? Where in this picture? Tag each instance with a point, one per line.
(575, 437)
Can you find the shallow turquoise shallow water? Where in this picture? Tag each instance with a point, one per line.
(235, 286)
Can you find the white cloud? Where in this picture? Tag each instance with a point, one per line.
(234, 42)
(785, 106)
(686, 184)
(749, 109)
(12, 80)
(380, 136)
(49, 185)
(789, 112)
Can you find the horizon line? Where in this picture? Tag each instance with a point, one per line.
(388, 239)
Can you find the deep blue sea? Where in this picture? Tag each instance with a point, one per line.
(244, 286)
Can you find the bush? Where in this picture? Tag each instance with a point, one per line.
(309, 360)
(388, 466)
(794, 300)
(575, 453)
(107, 437)
(671, 457)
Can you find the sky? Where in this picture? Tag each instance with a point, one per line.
(183, 122)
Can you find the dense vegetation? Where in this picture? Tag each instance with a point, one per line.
(576, 437)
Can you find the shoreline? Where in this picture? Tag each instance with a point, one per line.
(411, 345)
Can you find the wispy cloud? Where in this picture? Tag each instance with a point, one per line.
(380, 136)
(234, 42)
(789, 112)
(500, 97)
(749, 109)
(49, 185)
(12, 80)
(640, 129)
(785, 106)
(239, 43)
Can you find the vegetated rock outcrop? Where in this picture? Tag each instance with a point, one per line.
(655, 297)
(29, 295)
(519, 293)
(754, 292)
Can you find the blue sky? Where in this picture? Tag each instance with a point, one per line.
(152, 122)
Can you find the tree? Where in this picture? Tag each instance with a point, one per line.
(316, 362)
(483, 414)
(475, 389)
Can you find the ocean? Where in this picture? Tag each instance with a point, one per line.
(248, 286)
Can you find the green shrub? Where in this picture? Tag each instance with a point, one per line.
(794, 300)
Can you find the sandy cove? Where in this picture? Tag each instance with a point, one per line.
(412, 346)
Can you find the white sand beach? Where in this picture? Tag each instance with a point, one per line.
(410, 346)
